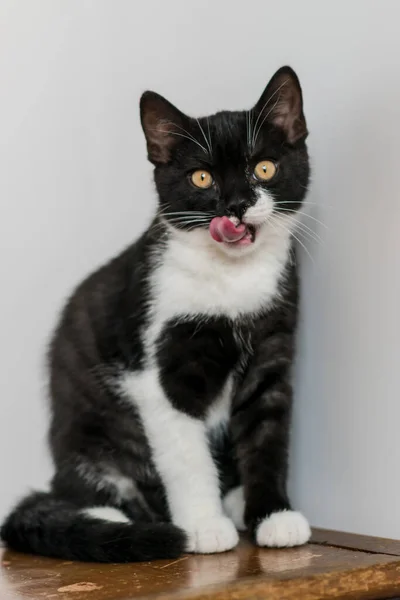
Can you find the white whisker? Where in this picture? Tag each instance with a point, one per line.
(188, 137)
(188, 219)
(204, 135)
(209, 133)
(301, 203)
(248, 128)
(190, 222)
(176, 222)
(263, 121)
(291, 251)
(279, 221)
(299, 224)
(307, 233)
(187, 132)
(262, 110)
(186, 212)
(304, 214)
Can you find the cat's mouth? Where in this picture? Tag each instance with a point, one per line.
(224, 229)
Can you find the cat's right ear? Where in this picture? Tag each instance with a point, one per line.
(162, 124)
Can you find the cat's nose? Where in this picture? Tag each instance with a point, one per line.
(237, 207)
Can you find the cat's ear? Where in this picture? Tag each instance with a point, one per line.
(162, 124)
(281, 104)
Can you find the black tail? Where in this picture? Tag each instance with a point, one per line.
(43, 524)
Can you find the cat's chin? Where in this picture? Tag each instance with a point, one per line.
(237, 249)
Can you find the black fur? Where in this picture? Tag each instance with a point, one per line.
(262, 409)
(94, 433)
(45, 524)
(210, 354)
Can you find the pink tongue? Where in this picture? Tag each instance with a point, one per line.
(223, 230)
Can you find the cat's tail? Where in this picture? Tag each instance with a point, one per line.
(46, 525)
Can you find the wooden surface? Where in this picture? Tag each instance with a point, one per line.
(334, 565)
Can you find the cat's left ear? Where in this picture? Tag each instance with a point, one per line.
(281, 104)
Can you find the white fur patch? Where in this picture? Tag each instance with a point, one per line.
(283, 529)
(234, 507)
(181, 453)
(106, 513)
(196, 277)
(212, 535)
(104, 477)
(125, 487)
(261, 211)
(219, 412)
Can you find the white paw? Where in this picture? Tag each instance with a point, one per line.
(211, 535)
(283, 529)
(233, 504)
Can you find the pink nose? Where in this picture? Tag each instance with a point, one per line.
(223, 230)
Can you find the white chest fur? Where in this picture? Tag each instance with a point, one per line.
(196, 277)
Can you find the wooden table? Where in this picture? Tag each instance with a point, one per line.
(334, 565)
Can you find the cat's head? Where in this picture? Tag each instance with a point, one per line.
(232, 174)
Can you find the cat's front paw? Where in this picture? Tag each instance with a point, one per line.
(207, 536)
(283, 529)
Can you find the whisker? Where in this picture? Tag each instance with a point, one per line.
(164, 222)
(266, 116)
(265, 105)
(302, 203)
(261, 212)
(209, 133)
(187, 219)
(251, 124)
(184, 218)
(180, 212)
(186, 131)
(186, 212)
(284, 210)
(248, 129)
(291, 252)
(307, 233)
(190, 222)
(306, 227)
(188, 137)
(195, 226)
(304, 214)
(279, 223)
(204, 135)
(299, 212)
(301, 225)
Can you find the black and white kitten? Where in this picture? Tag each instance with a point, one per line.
(170, 367)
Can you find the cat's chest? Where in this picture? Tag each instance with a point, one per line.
(200, 283)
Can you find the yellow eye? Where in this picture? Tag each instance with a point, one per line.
(202, 179)
(265, 170)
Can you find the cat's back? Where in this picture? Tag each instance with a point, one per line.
(102, 314)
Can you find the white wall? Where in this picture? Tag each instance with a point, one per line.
(75, 188)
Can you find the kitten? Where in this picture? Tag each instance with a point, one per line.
(170, 367)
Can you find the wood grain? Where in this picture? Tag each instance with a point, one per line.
(356, 542)
(313, 572)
